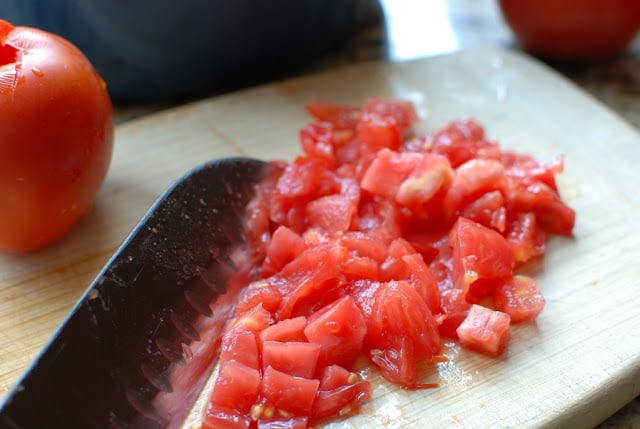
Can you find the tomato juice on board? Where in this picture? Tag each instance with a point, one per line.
(379, 245)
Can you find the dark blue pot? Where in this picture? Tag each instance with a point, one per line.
(187, 48)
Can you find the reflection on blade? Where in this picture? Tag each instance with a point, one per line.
(133, 351)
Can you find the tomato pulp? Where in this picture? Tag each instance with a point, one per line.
(56, 137)
(376, 243)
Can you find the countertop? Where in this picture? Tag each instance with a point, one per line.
(404, 29)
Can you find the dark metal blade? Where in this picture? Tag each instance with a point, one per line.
(125, 356)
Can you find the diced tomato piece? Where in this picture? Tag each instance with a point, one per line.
(340, 116)
(378, 132)
(412, 179)
(334, 376)
(381, 219)
(488, 210)
(341, 401)
(462, 141)
(388, 171)
(285, 245)
(552, 214)
(520, 299)
(400, 329)
(482, 259)
(317, 141)
(393, 267)
(360, 267)
(332, 213)
(304, 281)
(293, 358)
(526, 167)
(472, 179)
(285, 330)
(524, 238)
(236, 388)
(423, 281)
(257, 223)
(485, 331)
(303, 180)
(402, 112)
(339, 329)
(427, 182)
(361, 244)
(294, 395)
(260, 292)
(455, 308)
(254, 320)
(296, 422)
(216, 418)
(240, 346)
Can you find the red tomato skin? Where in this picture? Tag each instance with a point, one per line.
(56, 137)
(484, 331)
(573, 30)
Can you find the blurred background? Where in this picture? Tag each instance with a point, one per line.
(156, 57)
(175, 51)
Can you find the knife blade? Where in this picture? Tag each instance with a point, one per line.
(131, 353)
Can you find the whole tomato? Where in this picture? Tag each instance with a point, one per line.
(573, 30)
(56, 137)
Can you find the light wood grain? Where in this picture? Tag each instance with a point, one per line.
(578, 364)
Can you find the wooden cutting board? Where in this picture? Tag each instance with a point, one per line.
(578, 364)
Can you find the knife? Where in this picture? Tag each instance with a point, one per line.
(135, 349)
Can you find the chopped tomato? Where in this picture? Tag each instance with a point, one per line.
(341, 400)
(520, 299)
(339, 329)
(455, 308)
(236, 388)
(462, 141)
(377, 244)
(285, 330)
(485, 330)
(482, 259)
(524, 238)
(241, 346)
(288, 393)
(285, 245)
(340, 116)
(401, 112)
(400, 330)
(294, 358)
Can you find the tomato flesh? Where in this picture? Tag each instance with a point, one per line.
(376, 244)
